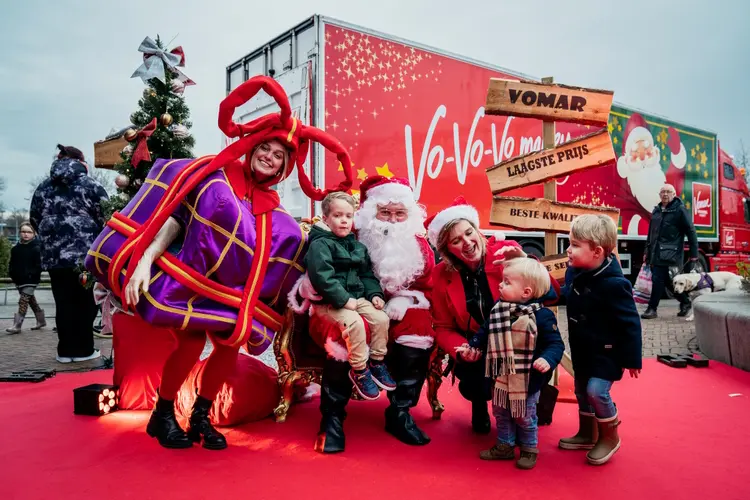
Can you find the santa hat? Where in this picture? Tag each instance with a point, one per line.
(637, 129)
(385, 190)
(459, 209)
(676, 148)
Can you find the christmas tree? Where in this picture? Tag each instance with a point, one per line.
(161, 128)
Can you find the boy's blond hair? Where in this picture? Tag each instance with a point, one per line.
(337, 195)
(532, 272)
(597, 230)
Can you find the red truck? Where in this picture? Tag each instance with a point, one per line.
(412, 111)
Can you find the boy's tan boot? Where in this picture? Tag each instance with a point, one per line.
(587, 434)
(499, 452)
(608, 442)
(528, 458)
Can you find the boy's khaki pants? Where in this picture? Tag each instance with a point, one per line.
(352, 325)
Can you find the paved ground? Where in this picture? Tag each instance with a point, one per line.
(37, 349)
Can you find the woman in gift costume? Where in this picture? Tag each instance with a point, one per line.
(272, 145)
(465, 289)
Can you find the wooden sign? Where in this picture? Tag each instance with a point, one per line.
(556, 265)
(541, 214)
(548, 101)
(593, 150)
(107, 153)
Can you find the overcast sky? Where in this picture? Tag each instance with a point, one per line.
(65, 65)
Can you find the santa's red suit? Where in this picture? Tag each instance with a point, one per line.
(402, 260)
(390, 224)
(640, 165)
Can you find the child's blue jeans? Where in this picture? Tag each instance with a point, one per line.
(593, 397)
(522, 431)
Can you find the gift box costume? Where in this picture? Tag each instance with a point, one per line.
(240, 248)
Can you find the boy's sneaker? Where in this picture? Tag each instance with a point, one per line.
(381, 376)
(364, 385)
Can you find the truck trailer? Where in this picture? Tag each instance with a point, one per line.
(408, 110)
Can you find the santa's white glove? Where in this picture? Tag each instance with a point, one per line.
(306, 289)
(397, 306)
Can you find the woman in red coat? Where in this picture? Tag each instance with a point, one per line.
(465, 288)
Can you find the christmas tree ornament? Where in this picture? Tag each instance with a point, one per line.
(130, 135)
(127, 150)
(156, 61)
(83, 278)
(178, 87)
(166, 119)
(138, 183)
(122, 181)
(179, 130)
(142, 152)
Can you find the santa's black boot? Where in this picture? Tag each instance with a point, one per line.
(163, 426)
(335, 391)
(200, 426)
(408, 366)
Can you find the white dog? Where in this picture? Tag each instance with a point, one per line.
(695, 284)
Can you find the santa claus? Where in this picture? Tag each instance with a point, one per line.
(640, 164)
(390, 223)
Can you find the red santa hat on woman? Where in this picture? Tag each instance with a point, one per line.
(636, 129)
(382, 190)
(459, 209)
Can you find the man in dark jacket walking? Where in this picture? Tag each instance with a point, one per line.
(670, 223)
(67, 214)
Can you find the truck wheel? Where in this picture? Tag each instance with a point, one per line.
(532, 249)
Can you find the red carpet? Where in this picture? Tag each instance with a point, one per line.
(684, 436)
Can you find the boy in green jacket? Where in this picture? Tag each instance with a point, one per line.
(340, 270)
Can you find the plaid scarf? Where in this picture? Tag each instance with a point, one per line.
(510, 349)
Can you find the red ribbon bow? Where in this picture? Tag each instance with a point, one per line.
(141, 150)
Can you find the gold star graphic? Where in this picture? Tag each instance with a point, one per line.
(692, 152)
(705, 174)
(361, 174)
(610, 128)
(689, 168)
(662, 137)
(615, 141)
(385, 171)
(687, 205)
(704, 159)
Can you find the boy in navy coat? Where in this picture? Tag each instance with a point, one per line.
(605, 333)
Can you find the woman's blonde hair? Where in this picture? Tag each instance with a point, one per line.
(451, 261)
(282, 170)
(596, 230)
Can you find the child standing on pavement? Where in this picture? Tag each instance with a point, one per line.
(605, 333)
(25, 272)
(523, 347)
(340, 270)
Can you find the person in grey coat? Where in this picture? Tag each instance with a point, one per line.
(67, 214)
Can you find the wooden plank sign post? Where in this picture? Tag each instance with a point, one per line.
(557, 265)
(590, 151)
(549, 102)
(107, 153)
(546, 100)
(542, 214)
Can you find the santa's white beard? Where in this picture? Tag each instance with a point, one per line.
(646, 179)
(395, 253)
